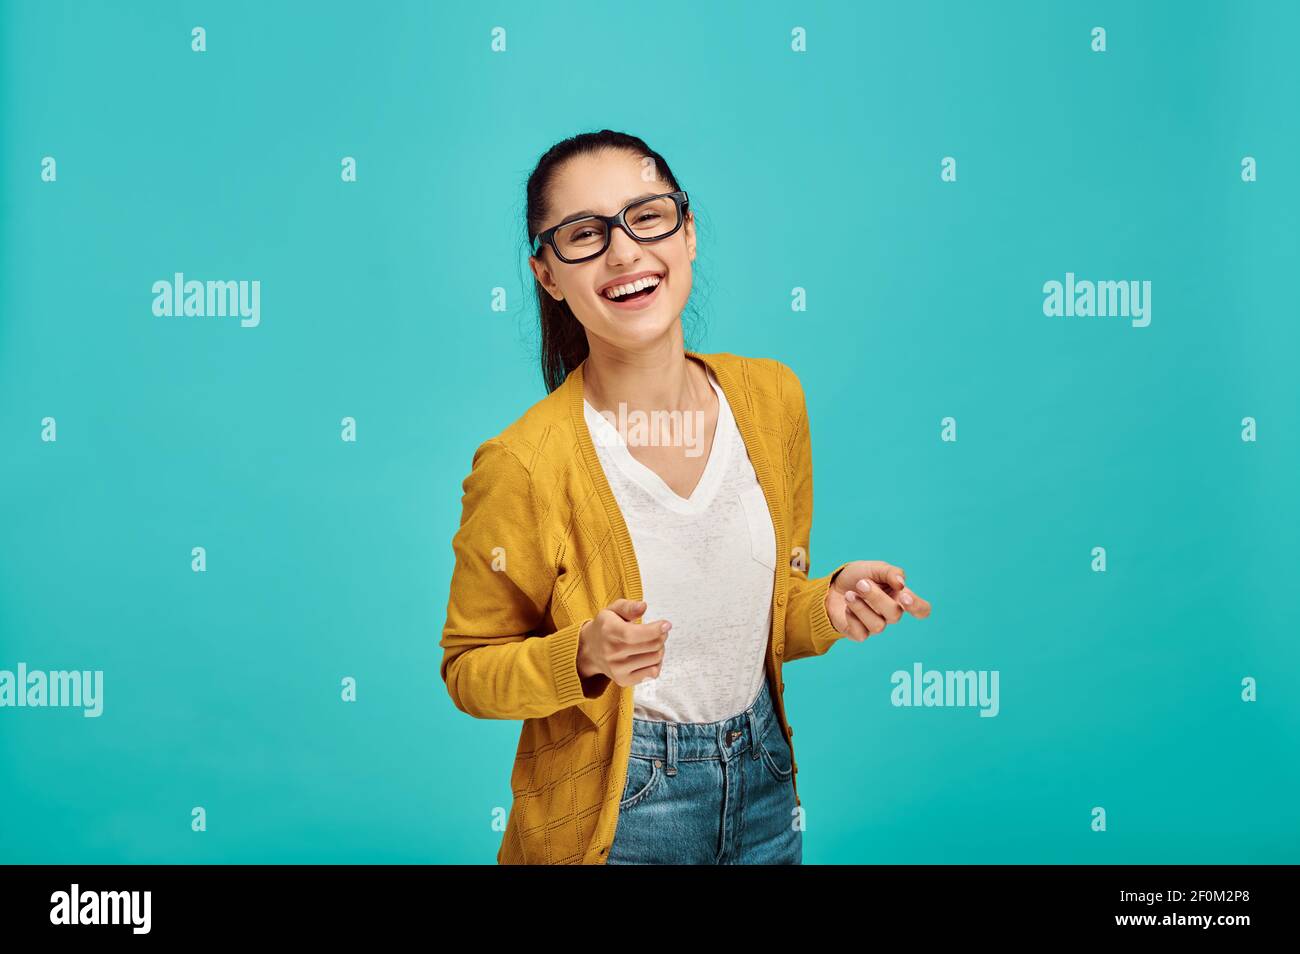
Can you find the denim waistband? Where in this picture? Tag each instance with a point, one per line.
(723, 740)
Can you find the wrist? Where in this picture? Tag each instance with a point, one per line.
(585, 668)
(594, 682)
(830, 588)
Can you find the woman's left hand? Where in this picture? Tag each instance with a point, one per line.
(868, 595)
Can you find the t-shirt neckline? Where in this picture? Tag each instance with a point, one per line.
(606, 435)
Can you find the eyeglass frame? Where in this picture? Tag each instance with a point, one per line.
(618, 220)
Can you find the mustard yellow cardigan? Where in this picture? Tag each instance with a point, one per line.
(542, 547)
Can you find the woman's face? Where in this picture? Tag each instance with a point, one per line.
(605, 182)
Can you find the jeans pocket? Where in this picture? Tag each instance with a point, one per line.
(776, 753)
(643, 776)
(762, 535)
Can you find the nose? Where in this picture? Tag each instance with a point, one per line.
(622, 247)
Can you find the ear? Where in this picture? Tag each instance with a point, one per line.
(542, 272)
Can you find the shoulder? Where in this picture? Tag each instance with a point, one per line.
(758, 372)
(772, 386)
(538, 442)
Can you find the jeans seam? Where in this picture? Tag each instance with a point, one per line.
(726, 805)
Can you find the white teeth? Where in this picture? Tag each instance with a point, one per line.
(648, 282)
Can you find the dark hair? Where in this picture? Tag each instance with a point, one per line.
(563, 343)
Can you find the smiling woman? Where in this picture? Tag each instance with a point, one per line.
(580, 246)
(582, 545)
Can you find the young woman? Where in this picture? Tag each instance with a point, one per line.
(630, 592)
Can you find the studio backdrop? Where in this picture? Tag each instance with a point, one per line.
(264, 291)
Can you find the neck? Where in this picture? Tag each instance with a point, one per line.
(659, 378)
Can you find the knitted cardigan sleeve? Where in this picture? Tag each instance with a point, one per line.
(808, 630)
(496, 663)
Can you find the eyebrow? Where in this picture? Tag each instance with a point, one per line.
(586, 212)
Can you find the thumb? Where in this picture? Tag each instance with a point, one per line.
(886, 574)
(628, 609)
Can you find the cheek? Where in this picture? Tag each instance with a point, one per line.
(682, 278)
(581, 296)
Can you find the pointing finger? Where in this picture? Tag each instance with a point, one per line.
(913, 603)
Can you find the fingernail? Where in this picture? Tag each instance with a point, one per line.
(864, 586)
(851, 597)
(663, 628)
(907, 599)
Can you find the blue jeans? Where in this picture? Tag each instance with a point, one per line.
(706, 793)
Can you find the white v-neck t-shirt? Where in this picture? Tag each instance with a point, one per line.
(708, 565)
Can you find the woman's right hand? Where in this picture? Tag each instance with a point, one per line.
(610, 644)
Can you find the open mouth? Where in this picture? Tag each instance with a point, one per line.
(636, 293)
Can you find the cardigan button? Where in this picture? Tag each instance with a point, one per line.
(780, 599)
(779, 650)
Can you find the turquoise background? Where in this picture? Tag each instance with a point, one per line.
(818, 170)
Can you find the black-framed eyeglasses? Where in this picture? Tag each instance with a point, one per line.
(646, 220)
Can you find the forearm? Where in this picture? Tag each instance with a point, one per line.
(526, 678)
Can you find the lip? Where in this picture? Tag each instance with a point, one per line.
(638, 303)
(626, 280)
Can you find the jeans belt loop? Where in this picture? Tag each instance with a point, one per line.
(670, 763)
(754, 737)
